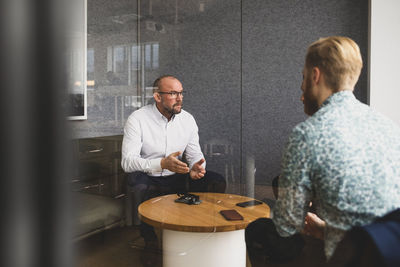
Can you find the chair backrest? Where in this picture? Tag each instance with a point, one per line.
(376, 244)
(385, 233)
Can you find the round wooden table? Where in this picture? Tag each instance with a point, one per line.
(198, 235)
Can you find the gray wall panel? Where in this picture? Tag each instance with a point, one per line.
(203, 50)
(275, 38)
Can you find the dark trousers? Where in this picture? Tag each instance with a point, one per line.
(147, 187)
(264, 244)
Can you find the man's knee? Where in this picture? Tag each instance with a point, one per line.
(138, 183)
(262, 238)
(256, 231)
(136, 178)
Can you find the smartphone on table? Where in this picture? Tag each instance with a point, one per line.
(248, 203)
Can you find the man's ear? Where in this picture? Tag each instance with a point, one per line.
(157, 97)
(316, 75)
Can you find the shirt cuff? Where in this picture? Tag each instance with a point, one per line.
(281, 229)
(155, 165)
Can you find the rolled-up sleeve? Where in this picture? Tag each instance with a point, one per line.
(295, 191)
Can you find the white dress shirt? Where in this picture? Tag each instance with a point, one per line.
(149, 137)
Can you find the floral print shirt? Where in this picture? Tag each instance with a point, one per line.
(346, 160)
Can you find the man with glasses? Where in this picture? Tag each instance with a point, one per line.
(161, 151)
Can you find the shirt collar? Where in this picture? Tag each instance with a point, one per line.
(338, 97)
(160, 117)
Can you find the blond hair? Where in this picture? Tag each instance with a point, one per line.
(338, 58)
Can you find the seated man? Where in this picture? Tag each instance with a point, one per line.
(156, 137)
(345, 159)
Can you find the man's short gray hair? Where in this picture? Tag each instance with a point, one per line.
(156, 83)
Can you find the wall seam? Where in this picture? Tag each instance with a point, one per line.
(241, 97)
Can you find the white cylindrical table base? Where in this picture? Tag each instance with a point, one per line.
(204, 249)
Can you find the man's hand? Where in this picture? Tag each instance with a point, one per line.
(314, 226)
(173, 164)
(197, 171)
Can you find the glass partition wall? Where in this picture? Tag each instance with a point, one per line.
(199, 42)
(239, 61)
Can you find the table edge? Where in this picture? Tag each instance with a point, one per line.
(199, 229)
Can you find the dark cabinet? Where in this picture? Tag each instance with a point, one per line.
(98, 166)
(97, 184)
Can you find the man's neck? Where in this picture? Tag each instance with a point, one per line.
(328, 94)
(324, 94)
(164, 112)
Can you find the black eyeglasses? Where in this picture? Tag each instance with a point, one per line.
(173, 94)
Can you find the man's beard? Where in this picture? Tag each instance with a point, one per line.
(310, 105)
(172, 110)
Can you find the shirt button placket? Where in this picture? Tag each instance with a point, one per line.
(166, 152)
(165, 141)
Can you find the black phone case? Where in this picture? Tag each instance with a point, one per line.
(231, 215)
(248, 203)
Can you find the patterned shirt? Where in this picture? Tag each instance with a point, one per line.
(346, 160)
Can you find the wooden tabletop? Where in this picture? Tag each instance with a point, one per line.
(163, 212)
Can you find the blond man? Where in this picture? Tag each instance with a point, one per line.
(345, 158)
